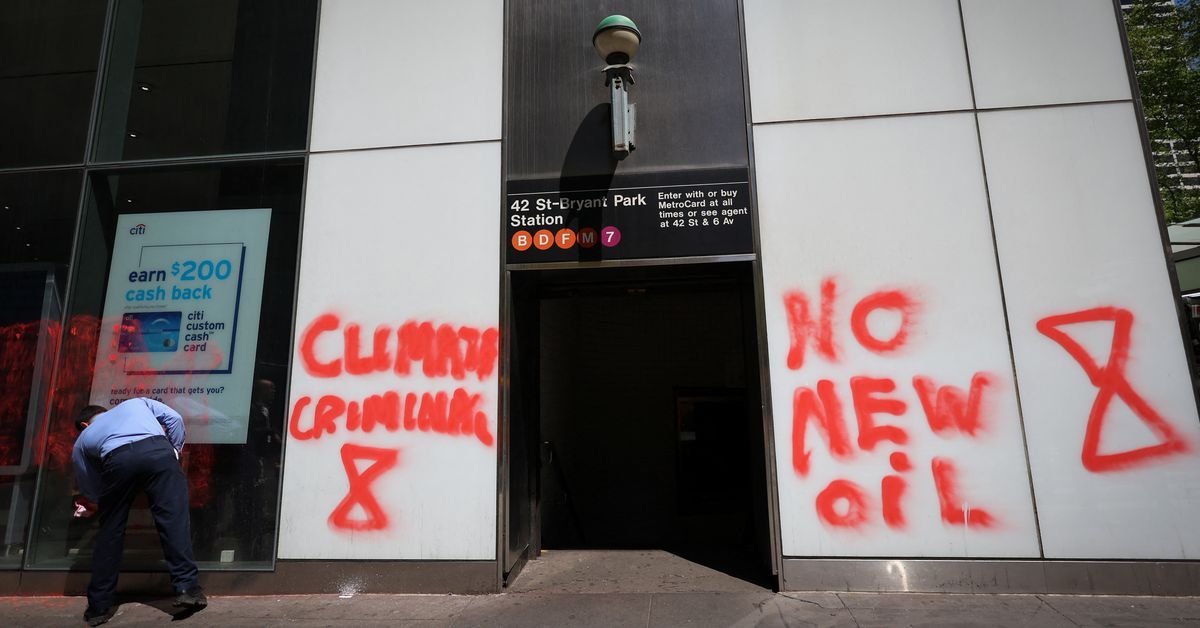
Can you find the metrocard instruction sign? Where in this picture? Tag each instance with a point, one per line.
(676, 214)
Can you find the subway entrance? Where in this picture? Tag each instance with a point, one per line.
(636, 423)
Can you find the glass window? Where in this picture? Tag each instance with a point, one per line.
(189, 78)
(37, 224)
(49, 50)
(184, 292)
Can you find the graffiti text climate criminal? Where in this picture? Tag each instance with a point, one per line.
(443, 350)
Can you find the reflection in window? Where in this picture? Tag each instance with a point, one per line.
(49, 50)
(37, 223)
(189, 78)
(233, 476)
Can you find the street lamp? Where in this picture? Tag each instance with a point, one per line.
(616, 41)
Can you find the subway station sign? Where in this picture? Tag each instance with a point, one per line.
(657, 215)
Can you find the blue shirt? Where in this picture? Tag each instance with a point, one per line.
(128, 422)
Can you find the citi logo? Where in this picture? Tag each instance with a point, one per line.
(138, 229)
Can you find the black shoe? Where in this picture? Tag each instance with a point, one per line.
(95, 617)
(193, 599)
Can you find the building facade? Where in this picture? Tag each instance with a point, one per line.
(881, 300)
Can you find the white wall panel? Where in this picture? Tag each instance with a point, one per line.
(831, 58)
(402, 72)
(392, 236)
(1035, 52)
(881, 205)
(1076, 230)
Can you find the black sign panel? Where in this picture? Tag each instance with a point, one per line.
(676, 214)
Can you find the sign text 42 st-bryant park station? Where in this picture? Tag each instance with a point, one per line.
(522, 205)
(644, 218)
(695, 207)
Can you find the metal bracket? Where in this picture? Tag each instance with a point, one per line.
(624, 113)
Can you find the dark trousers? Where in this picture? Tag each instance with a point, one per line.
(146, 465)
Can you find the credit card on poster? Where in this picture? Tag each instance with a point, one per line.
(149, 332)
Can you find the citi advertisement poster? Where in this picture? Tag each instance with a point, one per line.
(181, 316)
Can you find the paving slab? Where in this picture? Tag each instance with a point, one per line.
(657, 609)
(727, 609)
(967, 617)
(538, 610)
(1118, 610)
(360, 607)
(1014, 604)
(744, 610)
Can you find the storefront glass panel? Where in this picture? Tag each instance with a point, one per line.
(49, 50)
(205, 78)
(184, 293)
(38, 214)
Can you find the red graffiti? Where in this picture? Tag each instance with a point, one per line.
(844, 492)
(944, 410)
(1112, 382)
(21, 346)
(948, 408)
(955, 509)
(826, 408)
(331, 348)
(801, 326)
(453, 415)
(359, 494)
(892, 488)
(886, 300)
(443, 350)
(867, 405)
(78, 339)
(857, 508)
(316, 368)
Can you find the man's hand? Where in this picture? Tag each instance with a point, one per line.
(84, 508)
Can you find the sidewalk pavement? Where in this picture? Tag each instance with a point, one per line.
(599, 589)
(534, 609)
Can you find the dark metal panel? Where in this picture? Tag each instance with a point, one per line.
(10, 582)
(993, 576)
(760, 313)
(688, 90)
(521, 428)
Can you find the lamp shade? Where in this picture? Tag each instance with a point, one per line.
(616, 39)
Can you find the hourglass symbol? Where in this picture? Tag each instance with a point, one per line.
(1112, 383)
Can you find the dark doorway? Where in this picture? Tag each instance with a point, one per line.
(638, 390)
